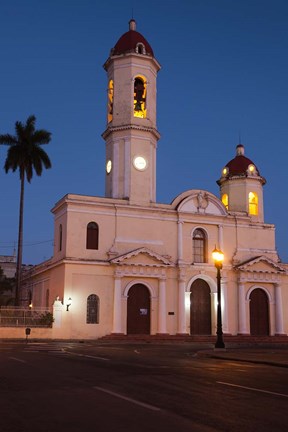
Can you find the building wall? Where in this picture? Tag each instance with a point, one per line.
(124, 229)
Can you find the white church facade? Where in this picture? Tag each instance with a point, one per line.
(124, 264)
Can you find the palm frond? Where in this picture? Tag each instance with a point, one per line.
(20, 130)
(29, 172)
(14, 159)
(30, 126)
(8, 139)
(41, 136)
(45, 160)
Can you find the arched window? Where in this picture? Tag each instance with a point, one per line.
(139, 97)
(60, 237)
(140, 48)
(225, 200)
(199, 246)
(47, 298)
(253, 203)
(92, 316)
(92, 238)
(110, 100)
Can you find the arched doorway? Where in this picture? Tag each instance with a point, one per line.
(259, 313)
(138, 310)
(200, 308)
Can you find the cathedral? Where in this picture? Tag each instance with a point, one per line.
(124, 264)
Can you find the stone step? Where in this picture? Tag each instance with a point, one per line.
(237, 339)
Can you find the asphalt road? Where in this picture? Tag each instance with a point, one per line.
(82, 387)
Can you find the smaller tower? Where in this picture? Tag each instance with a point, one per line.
(241, 187)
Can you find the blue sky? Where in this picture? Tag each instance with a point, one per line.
(224, 75)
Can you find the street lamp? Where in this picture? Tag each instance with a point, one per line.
(218, 258)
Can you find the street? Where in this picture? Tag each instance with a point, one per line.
(109, 387)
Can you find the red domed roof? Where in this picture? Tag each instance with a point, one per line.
(239, 165)
(129, 40)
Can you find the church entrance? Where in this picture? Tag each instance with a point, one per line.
(200, 308)
(259, 313)
(138, 310)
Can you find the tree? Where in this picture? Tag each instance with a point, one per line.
(6, 284)
(26, 154)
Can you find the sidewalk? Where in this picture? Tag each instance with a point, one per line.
(274, 356)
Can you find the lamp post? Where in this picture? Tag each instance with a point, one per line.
(218, 258)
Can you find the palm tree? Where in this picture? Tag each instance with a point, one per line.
(25, 154)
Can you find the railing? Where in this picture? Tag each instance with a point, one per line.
(25, 317)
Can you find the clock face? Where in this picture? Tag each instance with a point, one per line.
(140, 163)
(108, 166)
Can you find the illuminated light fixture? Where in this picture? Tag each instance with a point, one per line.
(30, 305)
(108, 166)
(68, 304)
(218, 258)
(140, 163)
(251, 168)
(224, 171)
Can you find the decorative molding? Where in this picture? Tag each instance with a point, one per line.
(260, 278)
(247, 266)
(161, 261)
(111, 129)
(141, 272)
(199, 201)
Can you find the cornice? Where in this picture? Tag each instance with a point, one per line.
(112, 129)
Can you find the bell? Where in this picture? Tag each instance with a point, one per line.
(138, 106)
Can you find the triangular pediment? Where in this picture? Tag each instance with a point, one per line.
(260, 264)
(142, 257)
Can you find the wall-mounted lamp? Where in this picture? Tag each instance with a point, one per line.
(68, 304)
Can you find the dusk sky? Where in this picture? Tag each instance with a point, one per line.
(223, 79)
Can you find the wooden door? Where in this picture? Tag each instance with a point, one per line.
(138, 310)
(200, 308)
(259, 313)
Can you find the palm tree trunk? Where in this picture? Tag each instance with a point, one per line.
(20, 242)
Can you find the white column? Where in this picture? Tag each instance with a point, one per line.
(127, 156)
(224, 304)
(180, 240)
(153, 148)
(242, 327)
(214, 317)
(117, 310)
(115, 170)
(278, 310)
(181, 307)
(220, 238)
(162, 314)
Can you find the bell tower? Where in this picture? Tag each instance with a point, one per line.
(131, 134)
(241, 187)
